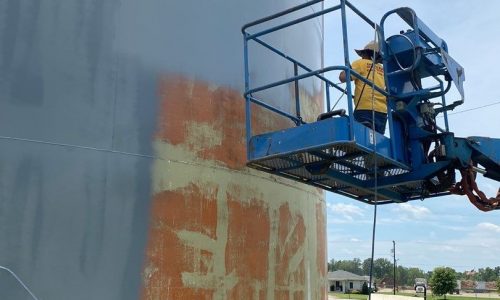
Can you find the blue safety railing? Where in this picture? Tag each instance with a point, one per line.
(420, 28)
(344, 156)
(320, 74)
(429, 37)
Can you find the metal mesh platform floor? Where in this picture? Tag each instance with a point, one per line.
(342, 168)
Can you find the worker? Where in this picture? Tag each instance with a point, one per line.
(364, 94)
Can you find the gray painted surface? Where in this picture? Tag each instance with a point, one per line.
(78, 102)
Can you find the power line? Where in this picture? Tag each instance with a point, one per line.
(474, 108)
(394, 265)
(405, 242)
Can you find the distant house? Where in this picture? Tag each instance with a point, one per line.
(367, 279)
(477, 286)
(480, 287)
(387, 282)
(343, 281)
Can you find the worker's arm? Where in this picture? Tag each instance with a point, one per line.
(342, 76)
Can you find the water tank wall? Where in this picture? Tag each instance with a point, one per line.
(122, 154)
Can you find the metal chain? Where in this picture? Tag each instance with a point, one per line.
(468, 186)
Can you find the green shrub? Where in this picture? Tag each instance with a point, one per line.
(443, 281)
(364, 289)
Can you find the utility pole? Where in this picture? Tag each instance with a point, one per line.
(394, 257)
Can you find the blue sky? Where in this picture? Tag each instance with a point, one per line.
(446, 231)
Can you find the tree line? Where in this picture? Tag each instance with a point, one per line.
(384, 268)
(482, 274)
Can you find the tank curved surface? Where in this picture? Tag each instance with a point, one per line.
(122, 156)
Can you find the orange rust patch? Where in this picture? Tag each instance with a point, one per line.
(248, 242)
(321, 239)
(248, 239)
(298, 295)
(177, 216)
(191, 210)
(185, 102)
(241, 291)
(167, 256)
(281, 295)
(188, 209)
(291, 237)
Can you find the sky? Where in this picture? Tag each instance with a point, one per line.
(446, 231)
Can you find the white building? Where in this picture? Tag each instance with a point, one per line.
(343, 281)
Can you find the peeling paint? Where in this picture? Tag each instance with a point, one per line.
(218, 229)
(203, 135)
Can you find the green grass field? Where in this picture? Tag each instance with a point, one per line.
(429, 297)
(349, 296)
(448, 297)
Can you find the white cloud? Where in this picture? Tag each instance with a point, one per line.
(345, 212)
(454, 228)
(410, 211)
(488, 227)
(488, 186)
(446, 249)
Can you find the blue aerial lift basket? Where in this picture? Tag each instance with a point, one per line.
(322, 154)
(338, 154)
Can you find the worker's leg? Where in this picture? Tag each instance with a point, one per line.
(380, 121)
(365, 117)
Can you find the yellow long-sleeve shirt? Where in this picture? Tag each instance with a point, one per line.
(364, 100)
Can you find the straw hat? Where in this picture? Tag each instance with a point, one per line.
(371, 46)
